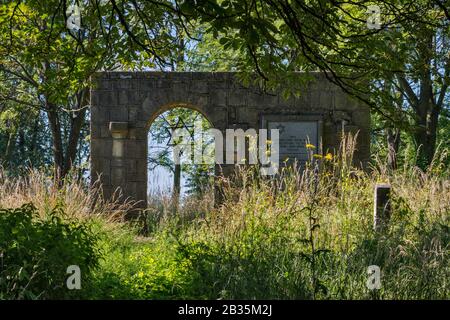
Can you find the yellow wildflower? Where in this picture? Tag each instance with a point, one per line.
(310, 146)
(317, 156)
(329, 156)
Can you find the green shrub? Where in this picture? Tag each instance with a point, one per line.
(36, 252)
(141, 269)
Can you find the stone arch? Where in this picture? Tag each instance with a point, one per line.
(155, 112)
(123, 103)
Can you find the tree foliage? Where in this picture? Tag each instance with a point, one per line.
(400, 67)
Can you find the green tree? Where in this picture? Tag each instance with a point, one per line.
(162, 149)
(46, 66)
(406, 54)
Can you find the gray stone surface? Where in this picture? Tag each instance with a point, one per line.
(127, 103)
(382, 206)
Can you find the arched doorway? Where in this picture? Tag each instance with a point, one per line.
(122, 103)
(175, 171)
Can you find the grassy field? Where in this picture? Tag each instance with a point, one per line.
(306, 235)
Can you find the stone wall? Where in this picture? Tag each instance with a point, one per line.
(123, 105)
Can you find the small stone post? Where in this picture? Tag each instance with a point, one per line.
(119, 131)
(382, 206)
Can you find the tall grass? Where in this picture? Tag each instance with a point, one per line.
(78, 198)
(308, 234)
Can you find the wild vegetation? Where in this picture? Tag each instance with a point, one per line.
(306, 235)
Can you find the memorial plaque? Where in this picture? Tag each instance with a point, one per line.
(294, 135)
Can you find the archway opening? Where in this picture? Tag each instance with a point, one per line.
(180, 156)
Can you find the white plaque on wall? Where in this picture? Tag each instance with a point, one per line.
(294, 135)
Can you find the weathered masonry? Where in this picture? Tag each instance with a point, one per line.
(123, 105)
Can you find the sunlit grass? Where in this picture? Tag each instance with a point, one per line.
(308, 234)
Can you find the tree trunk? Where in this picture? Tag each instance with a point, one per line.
(21, 143)
(74, 136)
(34, 137)
(58, 154)
(177, 157)
(176, 182)
(63, 159)
(427, 112)
(10, 148)
(393, 144)
(425, 135)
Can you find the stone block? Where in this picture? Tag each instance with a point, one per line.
(326, 100)
(104, 131)
(217, 85)
(218, 98)
(270, 100)
(125, 83)
(130, 189)
(135, 149)
(361, 118)
(103, 84)
(107, 192)
(180, 76)
(163, 84)
(95, 131)
(221, 76)
(237, 97)
(95, 98)
(119, 129)
(340, 115)
(199, 87)
(137, 133)
(118, 162)
(118, 177)
(101, 148)
(131, 166)
(141, 190)
(314, 98)
(105, 179)
(351, 129)
(147, 85)
(136, 177)
(133, 114)
(129, 97)
(199, 100)
(108, 98)
(100, 114)
(201, 76)
(106, 148)
(118, 114)
(247, 114)
(341, 101)
(179, 92)
(255, 99)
